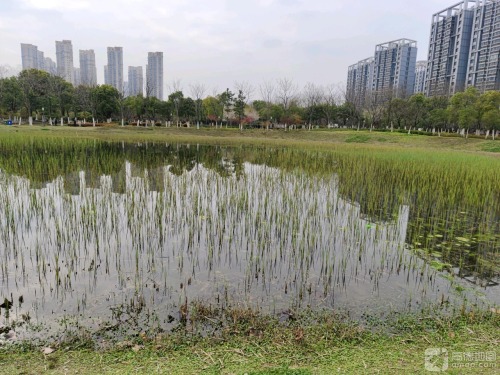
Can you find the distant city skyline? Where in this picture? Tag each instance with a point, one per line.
(220, 42)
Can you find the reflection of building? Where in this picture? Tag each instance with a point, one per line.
(113, 72)
(154, 75)
(420, 70)
(135, 81)
(88, 71)
(64, 54)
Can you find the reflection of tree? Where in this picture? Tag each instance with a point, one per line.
(43, 161)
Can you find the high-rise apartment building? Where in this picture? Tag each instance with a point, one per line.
(29, 56)
(64, 55)
(77, 78)
(113, 72)
(50, 66)
(154, 75)
(449, 47)
(88, 71)
(420, 70)
(483, 69)
(40, 60)
(389, 73)
(135, 81)
(359, 81)
(394, 69)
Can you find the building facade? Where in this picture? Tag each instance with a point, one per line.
(29, 56)
(359, 81)
(448, 52)
(483, 71)
(113, 72)
(77, 78)
(88, 71)
(420, 71)
(50, 66)
(135, 81)
(154, 75)
(394, 70)
(64, 57)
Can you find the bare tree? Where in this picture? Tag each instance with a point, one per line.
(175, 85)
(267, 89)
(198, 92)
(312, 96)
(286, 92)
(333, 97)
(246, 88)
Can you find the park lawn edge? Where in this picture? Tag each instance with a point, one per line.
(318, 139)
(324, 347)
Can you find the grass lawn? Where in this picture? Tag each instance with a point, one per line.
(318, 139)
(324, 348)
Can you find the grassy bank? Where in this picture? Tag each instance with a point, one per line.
(318, 139)
(264, 346)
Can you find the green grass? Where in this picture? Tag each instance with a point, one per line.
(361, 138)
(317, 139)
(325, 347)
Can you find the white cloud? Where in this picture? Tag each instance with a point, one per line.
(58, 5)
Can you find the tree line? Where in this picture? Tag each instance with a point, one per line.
(280, 103)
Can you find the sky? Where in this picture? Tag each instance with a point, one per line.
(220, 42)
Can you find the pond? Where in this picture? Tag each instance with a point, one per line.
(97, 234)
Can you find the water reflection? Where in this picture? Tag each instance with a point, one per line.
(259, 236)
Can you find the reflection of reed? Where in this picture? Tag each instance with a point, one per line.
(264, 236)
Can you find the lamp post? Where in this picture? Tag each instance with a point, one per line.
(43, 115)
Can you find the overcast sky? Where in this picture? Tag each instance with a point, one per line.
(218, 42)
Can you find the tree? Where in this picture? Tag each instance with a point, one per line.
(226, 100)
(33, 84)
(188, 109)
(239, 107)
(212, 108)
(246, 88)
(286, 91)
(267, 90)
(417, 109)
(313, 95)
(331, 100)
(176, 99)
(64, 93)
(198, 91)
(489, 104)
(11, 96)
(464, 109)
(107, 100)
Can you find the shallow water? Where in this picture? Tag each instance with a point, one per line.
(134, 245)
